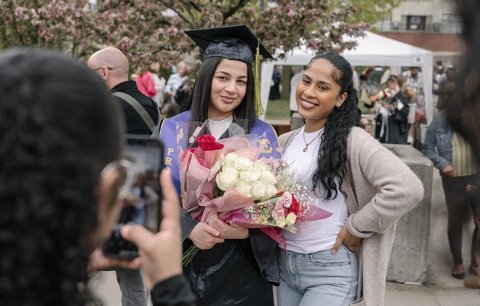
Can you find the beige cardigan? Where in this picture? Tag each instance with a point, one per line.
(380, 188)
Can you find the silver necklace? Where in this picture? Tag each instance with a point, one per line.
(309, 143)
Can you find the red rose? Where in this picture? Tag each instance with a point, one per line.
(295, 206)
(208, 143)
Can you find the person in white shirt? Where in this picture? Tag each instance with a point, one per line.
(351, 175)
(174, 82)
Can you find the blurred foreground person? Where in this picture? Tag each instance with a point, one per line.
(61, 183)
(464, 117)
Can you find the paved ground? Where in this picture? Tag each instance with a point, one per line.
(440, 288)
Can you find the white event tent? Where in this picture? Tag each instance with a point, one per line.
(372, 50)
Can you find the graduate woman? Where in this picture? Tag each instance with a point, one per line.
(341, 260)
(235, 265)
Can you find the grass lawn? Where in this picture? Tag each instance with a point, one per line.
(278, 111)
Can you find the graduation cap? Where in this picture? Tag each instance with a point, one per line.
(234, 43)
(230, 42)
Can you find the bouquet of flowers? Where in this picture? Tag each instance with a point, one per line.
(228, 178)
(199, 164)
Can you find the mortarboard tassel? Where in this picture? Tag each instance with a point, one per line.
(257, 98)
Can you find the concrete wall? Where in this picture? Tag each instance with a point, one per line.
(408, 262)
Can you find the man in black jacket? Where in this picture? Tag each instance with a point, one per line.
(112, 65)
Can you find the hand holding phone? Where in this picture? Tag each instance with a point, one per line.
(160, 253)
(142, 202)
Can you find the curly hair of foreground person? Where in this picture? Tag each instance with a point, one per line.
(59, 128)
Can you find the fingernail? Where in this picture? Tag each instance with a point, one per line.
(334, 252)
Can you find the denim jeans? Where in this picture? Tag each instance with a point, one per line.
(132, 287)
(318, 278)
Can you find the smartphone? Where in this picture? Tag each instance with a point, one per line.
(142, 205)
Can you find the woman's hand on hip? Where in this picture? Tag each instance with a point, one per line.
(346, 238)
(205, 236)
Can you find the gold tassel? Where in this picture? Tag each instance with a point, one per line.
(257, 98)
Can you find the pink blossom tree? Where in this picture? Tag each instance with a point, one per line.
(152, 31)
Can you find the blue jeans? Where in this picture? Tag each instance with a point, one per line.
(318, 278)
(131, 285)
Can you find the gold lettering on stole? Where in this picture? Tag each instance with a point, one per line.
(168, 160)
(265, 146)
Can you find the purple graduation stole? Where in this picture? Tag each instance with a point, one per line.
(174, 133)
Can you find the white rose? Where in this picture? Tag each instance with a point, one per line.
(290, 219)
(243, 163)
(227, 178)
(244, 188)
(270, 190)
(230, 159)
(261, 165)
(268, 177)
(258, 190)
(251, 175)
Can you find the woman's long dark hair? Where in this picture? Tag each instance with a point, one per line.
(332, 154)
(59, 128)
(200, 98)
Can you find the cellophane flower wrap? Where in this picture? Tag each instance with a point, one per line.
(227, 177)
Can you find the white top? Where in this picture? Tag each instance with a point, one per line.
(173, 83)
(319, 235)
(159, 86)
(218, 126)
